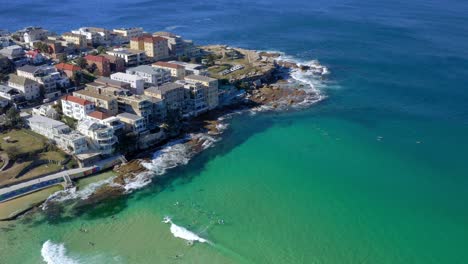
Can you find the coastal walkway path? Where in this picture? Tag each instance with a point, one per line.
(20, 189)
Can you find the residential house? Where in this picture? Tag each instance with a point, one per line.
(69, 69)
(101, 137)
(33, 34)
(16, 54)
(177, 71)
(133, 123)
(29, 88)
(173, 94)
(47, 111)
(35, 57)
(10, 93)
(47, 76)
(155, 48)
(211, 85)
(103, 103)
(116, 64)
(136, 82)
(76, 108)
(153, 76)
(130, 56)
(101, 62)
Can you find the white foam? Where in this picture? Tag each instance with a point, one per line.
(55, 254)
(182, 232)
(173, 154)
(73, 193)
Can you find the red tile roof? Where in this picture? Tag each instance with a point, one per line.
(149, 38)
(94, 58)
(168, 65)
(67, 67)
(77, 100)
(99, 115)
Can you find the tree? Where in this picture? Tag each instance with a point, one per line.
(12, 152)
(81, 62)
(184, 58)
(42, 47)
(13, 118)
(62, 58)
(101, 50)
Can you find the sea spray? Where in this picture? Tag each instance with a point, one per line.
(55, 254)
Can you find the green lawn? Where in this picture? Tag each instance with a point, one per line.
(29, 142)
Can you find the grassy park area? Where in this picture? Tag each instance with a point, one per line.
(24, 148)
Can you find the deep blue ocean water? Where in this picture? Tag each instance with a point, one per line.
(399, 71)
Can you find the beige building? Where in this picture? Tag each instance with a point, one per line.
(77, 39)
(211, 84)
(139, 105)
(104, 103)
(172, 93)
(155, 48)
(177, 71)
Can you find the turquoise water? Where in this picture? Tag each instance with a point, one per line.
(376, 173)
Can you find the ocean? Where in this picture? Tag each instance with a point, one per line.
(374, 173)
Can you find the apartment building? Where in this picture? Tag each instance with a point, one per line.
(104, 103)
(173, 94)
(100, 137)
(131, 57)
(211, 85)
(47, 76)
(133, 123)
(76, 108)
(136, 82)
(138, 105)
(177, 71)
(129, 32)
(116, 64)
(94, 36)
(29, 88)
(76, 39)
(101, 62)
(155, 48)
(64, 137)
(151, 75)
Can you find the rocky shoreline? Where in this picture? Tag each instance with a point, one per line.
(201, 132)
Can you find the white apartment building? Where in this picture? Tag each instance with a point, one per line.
(94, 36)
(129, 32)
(135, 81)
(151, 75)
(29, 88)
(101, 137)
(32, 34)
(76, 108)
(68, 140)
(131, 57)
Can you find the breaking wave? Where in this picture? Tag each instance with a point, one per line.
(175, 153)
(74, 193)
(182, 232)
(55, 254)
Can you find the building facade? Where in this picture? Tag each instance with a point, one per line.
(211, 85)
(76, 108)
(155, 48)
(177, 71)
(136, 82)
(151, 75)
